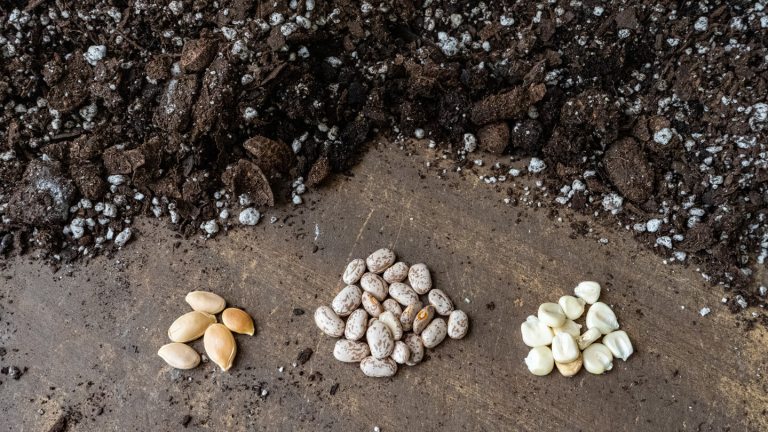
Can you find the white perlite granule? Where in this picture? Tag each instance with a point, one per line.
(470, 143)
(211, 227)
(665, 241)
(701, 24)
(123, 237)
(95, 54)
(249, 216)
(663, 136)
(536, 165)
(653, 225)
(613, 202)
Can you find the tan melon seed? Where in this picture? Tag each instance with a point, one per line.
(205, 301)
(238, 321)
(220, 345)
(179, 355)
(190, 326)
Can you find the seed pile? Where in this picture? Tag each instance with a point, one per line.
(556, 325)
(387, 323)
(219, 343)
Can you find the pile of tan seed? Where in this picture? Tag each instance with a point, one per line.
(555, 325)
(218, 340)
(393, 335)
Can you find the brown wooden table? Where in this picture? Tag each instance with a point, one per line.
(88, 334)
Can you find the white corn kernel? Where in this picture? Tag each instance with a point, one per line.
(535, 333)
(601, 317)
(589, 336)
(572, 307)
(588, 290)
(540, 361)
(564, 348)
(551, 314)
(570, 369)
(597, 359)
(619, 344)
(569, 327)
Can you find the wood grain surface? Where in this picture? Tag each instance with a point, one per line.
(88, 334)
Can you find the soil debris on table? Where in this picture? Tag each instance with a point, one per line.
(645, 112)
(304, 356)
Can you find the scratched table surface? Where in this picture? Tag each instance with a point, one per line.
(88, 334)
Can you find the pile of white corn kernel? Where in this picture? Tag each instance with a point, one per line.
(556, 325)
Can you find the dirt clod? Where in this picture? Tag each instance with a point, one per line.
(629, 170)
(494, 137)
(304, 355)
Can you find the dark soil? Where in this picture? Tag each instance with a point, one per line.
(650, 112)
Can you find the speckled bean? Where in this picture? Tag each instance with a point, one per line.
(416, 346)
(356, 325)
(347, 300)
(434, 333)
(371, 305)
(350, 351)
(458, 324)
(380, 260)
(375, 285)
(423, 318)
(393, 306)
(401, 353)
(380, 340)
(397, 273)
(328, 322)
(393, 324)
(378, 368)
(404, 294)
(442, 303)
(419, 278)
(354, 271)
(409, 314)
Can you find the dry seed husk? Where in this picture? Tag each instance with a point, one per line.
(238, 321)
(190, 326)
(205, 301)
(220, 345)
(179, 355)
